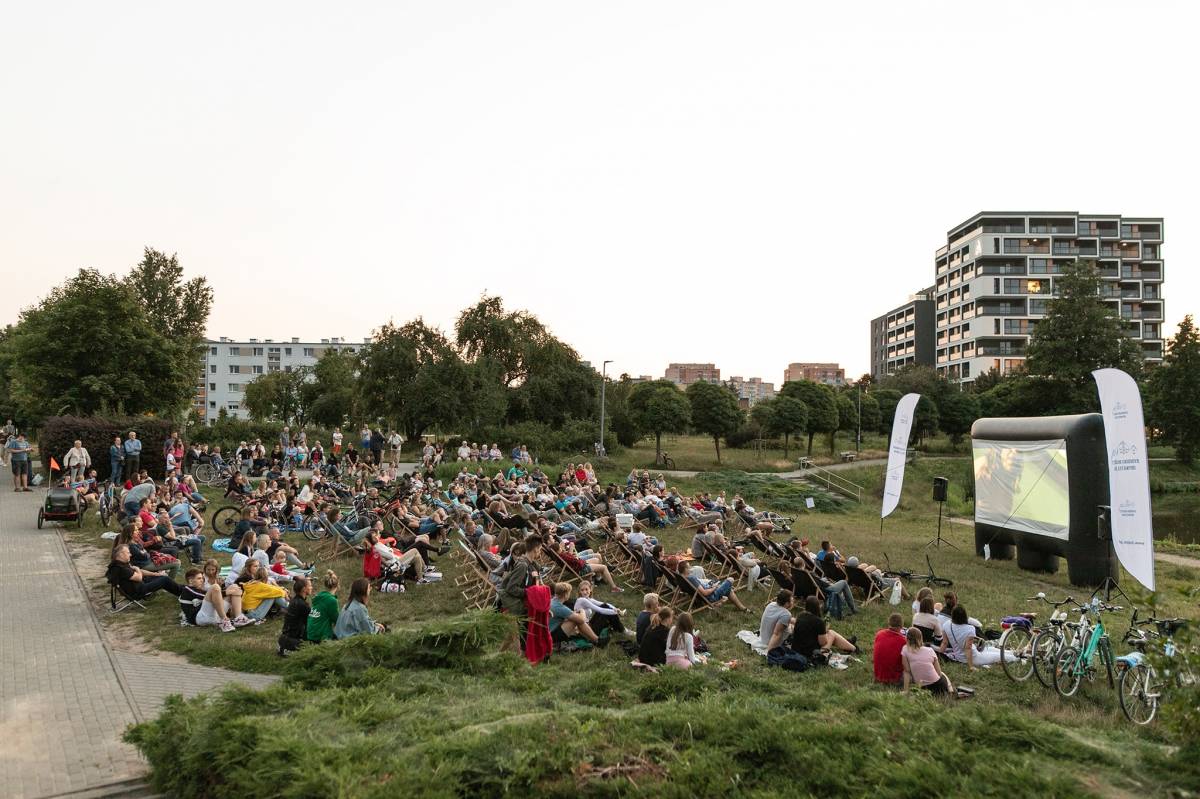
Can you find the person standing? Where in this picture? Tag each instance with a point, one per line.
(116, 460)
(376, 442)
(395, 442)
(285, 438)
(364, 438)
(77, 461)
(18, 451)
(337, 440)
(133, 455)
(9, 432)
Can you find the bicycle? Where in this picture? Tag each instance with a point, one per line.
(1077, 662)
(1048, 641)
(209, 474)
(665, 461)
(904, 574)
(1020, 641)
(1141, 685)
(107, 503)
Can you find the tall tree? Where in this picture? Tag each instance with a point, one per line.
(761, 420)
(1079, 334)
(822, 406)
(506, 338)
(925, 420)
(715, 411)
(280, 395)
(870, 411)
(790, 418)
(660, 407)
(411, 377)
(887, 399)
(333, 398)
(957, 412)
(1174, 392)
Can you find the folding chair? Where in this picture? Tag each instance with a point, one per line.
(565, 571)
(859, 579)
(334, 543)
(804, 585)
(696, 602)
(119, 601)
(727, 566)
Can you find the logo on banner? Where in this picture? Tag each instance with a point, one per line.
(1124, 457)
(1120, 410)
(1128, 509)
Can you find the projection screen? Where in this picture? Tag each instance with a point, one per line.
(1022, 485)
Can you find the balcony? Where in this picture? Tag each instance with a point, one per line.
(1150, 291)
(1151, 232)
(1000, 310)
(1002, 269)
(1123, 251)
(1142, 273)
(1007, 352)
(1027, 246)
(1107, 230)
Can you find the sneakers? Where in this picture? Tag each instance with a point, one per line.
(431, 577)
(226, 626)
(242, 621)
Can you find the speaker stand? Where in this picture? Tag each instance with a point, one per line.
(1109, 587)
(937, 542)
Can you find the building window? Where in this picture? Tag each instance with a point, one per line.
(212, 369)
(258, 370)
(211, 404)
(235, 350)
(308, 352)
(286, 368)
(258, 351)
(212, 350)
(273, 349)
(235, 387)
(233, 406)
(212, 386)
(234, 369)
(287, 350)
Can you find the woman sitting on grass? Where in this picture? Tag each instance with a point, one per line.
(652, 650)
(324, 614)
(650, 607)
(295, 620)
(714, 593)
(232, 593)
(959, 639)
(681, 649)
(259, 595)
(921, 665)
(566, 623)
(354, 619)
(810, 634)
(600, 616)
(203, 606)
(927, 621)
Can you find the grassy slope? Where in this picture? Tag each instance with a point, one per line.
(592, 700)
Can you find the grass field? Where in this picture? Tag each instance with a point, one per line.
(587, 723)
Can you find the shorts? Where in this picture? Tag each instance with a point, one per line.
(18, 467)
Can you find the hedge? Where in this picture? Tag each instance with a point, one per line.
(58, 435)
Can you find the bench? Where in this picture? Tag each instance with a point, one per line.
(848, 456)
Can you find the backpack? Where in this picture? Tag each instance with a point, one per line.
(787, 659)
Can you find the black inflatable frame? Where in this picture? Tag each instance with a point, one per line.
(1090, 560)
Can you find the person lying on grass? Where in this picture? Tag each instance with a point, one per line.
(811, 636)
(354, 618)
(566, 623)
(714, 593)
(681, 644)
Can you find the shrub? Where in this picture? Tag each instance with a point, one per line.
(58, 434)
(227, 433)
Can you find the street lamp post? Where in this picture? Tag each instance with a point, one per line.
(603, 381)
(858, 433)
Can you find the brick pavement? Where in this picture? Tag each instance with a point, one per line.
(64, 697)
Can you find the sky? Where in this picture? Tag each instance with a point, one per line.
(747, 184)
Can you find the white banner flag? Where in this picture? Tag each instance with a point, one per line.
(898, 452)
(1128, 473)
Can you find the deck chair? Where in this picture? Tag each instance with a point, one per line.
(805, 585)
(860, 580)
(832, 570)
(727, 566)
(333, 545)
(687, 592)
(566, 572)
(781, 581)
(476, 587)
(119, 601)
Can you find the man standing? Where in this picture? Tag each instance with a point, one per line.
(18, 451)
(337, 441)
(9, 432)
(116, 460)
(394, 443)
(77, 461)
(376, 442)
(133, 455)
(285, 438)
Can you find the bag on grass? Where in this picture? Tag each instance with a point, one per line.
(787, 659)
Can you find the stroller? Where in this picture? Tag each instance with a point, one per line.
(61, 505)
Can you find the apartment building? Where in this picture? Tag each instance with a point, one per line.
(684, 374)
(751, 390)
(828, 373)
(996, 274)
(904, 336)
(229, 365)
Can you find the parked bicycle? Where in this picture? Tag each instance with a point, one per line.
(904, 574)
(107, 503)
(1094, 650)
(1142, 685)
(1049, 640)
(665, 461)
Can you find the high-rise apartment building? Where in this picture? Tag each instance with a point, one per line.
(904, 336)
(996, 274)
(828, 373)
(684, 374)
(229, 365)
(751, 390)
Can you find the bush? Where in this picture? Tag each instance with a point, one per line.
(746, 438)
(545, 443)
(58, 434)
(227, 433)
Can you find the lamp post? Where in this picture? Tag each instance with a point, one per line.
(603, 381)
(858, 424)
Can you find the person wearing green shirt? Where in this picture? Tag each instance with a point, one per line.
(324, 613)
(515, 471)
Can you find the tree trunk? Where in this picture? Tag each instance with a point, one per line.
(810, 438)
(657, 448)
(785, 446)
(717, 443)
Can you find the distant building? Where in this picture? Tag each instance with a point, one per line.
(229, 365)
(684, 374)
(751, 390)
(828, 373)
(903, 336)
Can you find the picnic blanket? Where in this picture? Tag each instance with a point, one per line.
(222, 545)
(751, 639)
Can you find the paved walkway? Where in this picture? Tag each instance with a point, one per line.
(64, 697)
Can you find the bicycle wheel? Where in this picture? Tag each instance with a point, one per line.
(312, 529)
(105, 511)
(204, 473)
(225, 521)
(1138, 693)
(1044, 653)
(1016, 653)
(941, 582)
(1067, 672)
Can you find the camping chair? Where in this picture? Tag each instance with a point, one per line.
(119, 601)
(859, 579)
(566, 572)
(832, 570)
(334, 544)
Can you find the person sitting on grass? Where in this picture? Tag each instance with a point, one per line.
(566, 623)
(712, 592)
(259, 595)
(231, 593)
(812, 638)
(295, 619)
(928, 622)
(922, 667)
(180, 537)
(133, 581)
(139, 556)
(291, 554)
(681, 644)
(959, 639)
(947, 611)
(354, 618)
(203, 607)
(324, 614)
(886, 652)
(652, 650)
(650, 606)
(776, 621)
(600, 616)
(926, 591)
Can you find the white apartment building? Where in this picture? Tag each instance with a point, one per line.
(751, 390)
(229, 365)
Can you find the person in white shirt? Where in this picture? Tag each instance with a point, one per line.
(77, 461)
(681, 644)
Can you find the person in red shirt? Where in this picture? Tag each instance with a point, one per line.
(889, 642)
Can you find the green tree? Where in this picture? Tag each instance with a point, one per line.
(618, 416)
(1023, 395)
(887, 399)
(790, 418)
(92, 346)
(957, 412)
(822, 406)
(332, 392)
(485, 331)
(660, 407)
(411, 377)
(557, 386)
(870, 411)
(1079, 334)
(1173, 392)
(925, 421)
(715, 411)
(281, 396)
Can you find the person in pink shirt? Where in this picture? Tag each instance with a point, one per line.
(921, 666)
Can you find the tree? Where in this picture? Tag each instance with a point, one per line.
(1079, 334)
(870, 411)
(280, 395)
(618, 416)
(92, 346)
(822, 406)
(957, 412)
(556, 386)
(762, 420)
(1174, 392)
(332, 394)
(660, 407)
(790, 418)
(1024, 395)
(485, 331)
(887, 399)
(715, 411)
(411, 377)
(925, 421)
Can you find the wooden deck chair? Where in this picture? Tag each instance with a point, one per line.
(805, 585)
(727, 566)
(565, 572)
(781, 581)
(333, 545)
(479, 591)
(860, 580)
(687, 592)
(832, 570)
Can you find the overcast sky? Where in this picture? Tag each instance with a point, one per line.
(743, 183)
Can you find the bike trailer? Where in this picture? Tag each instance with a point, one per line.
(61, 504)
